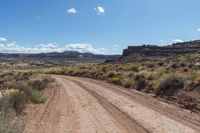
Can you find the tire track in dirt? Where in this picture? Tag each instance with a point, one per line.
(71, 109)
(96, 116)
(80, 105)
(164, 124)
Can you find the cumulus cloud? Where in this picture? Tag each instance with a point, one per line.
(72, 11)
(100, 10)
(13, 47)
(2, 39)
(177, 40)
(198, 29)
(84, 47)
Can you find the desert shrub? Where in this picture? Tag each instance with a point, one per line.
(198, 105)
(97, 74)
(169, 86)
(22, 86)
(197, 66)
(138, 76)
(197, 78)
(127, 83)
(39, 84)
(70, 72)
(116, 80)
(16, 99)
(140, 84)
(149, 65)
(167, 69)
(37, 97)
(150, 77)
(182, 64)
(190, 65)
(7, 125)
(104, 69)
(111, 74)
(160, 63)
(10, 127)
(132, 68)
(174, 65)
(22, 76)
(185, 69)
(130, 74)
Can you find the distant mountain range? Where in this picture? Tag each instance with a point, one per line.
(132, 53)
(67, 55)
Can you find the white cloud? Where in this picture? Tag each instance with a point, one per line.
(13, 47)
(163, 41)
(2, 39)
(84, 47)
(50, 47)
(2, 45)
(177, 40)
(72, 11)
(100, 10)
(198, 29)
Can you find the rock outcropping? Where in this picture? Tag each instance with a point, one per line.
(152, 52)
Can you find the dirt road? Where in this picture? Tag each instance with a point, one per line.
(80, 105)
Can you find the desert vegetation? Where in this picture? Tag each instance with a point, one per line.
(175, 79)
(16, 90)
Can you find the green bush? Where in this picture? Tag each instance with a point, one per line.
(140, 84)
(37, 97)
(116, 80)
(169, 86)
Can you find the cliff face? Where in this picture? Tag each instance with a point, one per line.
(153, 50)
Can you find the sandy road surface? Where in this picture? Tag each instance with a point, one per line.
(80, 105)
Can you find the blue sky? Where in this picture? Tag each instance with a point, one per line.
(98, 26)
